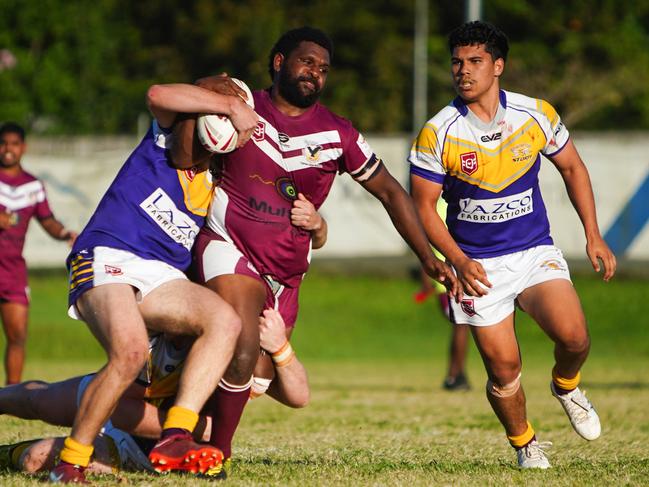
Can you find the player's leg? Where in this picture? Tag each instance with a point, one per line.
(53, 403)
(182, 307)
(14, 321)
(555, 306)
(247, 296)
(500, 353)
(458, 348)
(112, 315)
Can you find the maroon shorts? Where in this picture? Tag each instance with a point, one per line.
(13, 284)
(214, 256)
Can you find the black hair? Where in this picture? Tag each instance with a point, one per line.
(12, 128)
(478, 32)
(292, 38)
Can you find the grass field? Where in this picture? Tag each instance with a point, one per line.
(378, 415)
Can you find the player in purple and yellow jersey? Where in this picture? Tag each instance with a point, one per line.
(22, 197)
(127, 277)
(482, 153)
(251, 251)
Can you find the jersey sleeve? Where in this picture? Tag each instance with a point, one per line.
(556, 133)
(359, 160)
(42, 208)
(425, 155)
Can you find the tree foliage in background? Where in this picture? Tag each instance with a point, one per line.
(83, 67)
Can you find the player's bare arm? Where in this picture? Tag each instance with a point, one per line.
(575, 175)
(305, 216)
(403, 214)
(167, 101)
(470, 273)
(291, 384)
(57, 230)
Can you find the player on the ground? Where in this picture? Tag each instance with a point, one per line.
(250, 252)
(483, 153)
(127, 277)
(22, 196)
(122, 443)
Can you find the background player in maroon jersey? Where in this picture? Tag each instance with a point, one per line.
(250, 252)
(22, 196)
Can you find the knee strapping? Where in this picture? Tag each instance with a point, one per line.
(507, 390)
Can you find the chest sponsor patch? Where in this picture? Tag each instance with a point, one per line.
(176, 224)
(496, 210)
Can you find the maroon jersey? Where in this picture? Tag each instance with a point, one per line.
(24, 197)
(285, 156)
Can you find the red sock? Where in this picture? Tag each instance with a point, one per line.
(226, 406)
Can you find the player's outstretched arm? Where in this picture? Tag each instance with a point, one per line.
(57, 230)
(404, 217)
(472, 275)
(575, 176)
(304, 215)
(291, 384)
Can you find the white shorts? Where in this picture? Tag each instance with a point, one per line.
(113, 266)
(509, 275)
(130, 455)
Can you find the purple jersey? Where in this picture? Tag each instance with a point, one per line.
(285, 156)
(24, 197)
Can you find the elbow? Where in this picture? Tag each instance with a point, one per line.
(153, 96)
(300, 401)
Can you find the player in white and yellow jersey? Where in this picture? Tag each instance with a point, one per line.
(482, 153)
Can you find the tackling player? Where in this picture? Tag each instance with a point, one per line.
(127, 277)
(140, 413)
(250, 251)
(483, 154)
(22, 196)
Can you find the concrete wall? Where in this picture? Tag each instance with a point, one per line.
(77, 171)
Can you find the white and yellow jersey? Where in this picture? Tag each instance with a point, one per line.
(162, 371)
(489, 172)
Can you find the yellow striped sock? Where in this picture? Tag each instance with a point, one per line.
(563, 383)
(519, 441)
(180, 417)
(75, 453)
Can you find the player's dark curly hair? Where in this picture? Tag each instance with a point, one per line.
(12, 128)
(291, 39)
(478, 32)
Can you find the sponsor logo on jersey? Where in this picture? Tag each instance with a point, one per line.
(264, 207)
(491, 137)
(176, 224)
(469, 162)
(112, 270)
(521, 152)
(312, 153)
(468, 307)
(496, 210)
(283, 138)
(260, 131)
(286, 188)
(558, 128)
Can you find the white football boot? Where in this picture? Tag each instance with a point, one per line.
(533, 455)
(581, 412)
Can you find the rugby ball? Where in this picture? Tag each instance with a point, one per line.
(216, 132)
